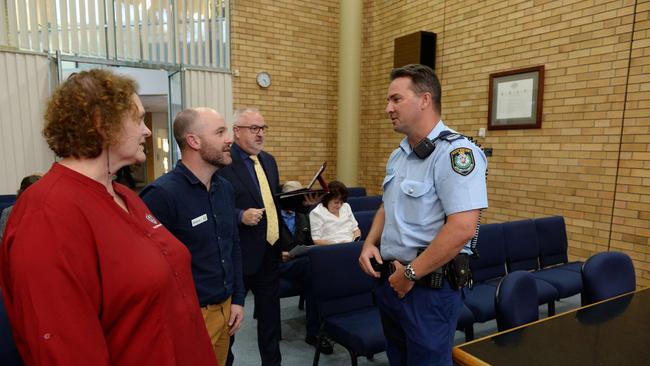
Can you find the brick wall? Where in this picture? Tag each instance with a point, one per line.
(297, 43)
(589, 161)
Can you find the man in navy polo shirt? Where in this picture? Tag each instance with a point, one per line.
(198, 207)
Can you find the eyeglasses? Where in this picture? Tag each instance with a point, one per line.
(254, 129)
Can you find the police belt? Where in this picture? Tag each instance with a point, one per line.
(456, 271)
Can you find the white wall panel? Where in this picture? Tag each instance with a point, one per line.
(209, 89)
(27, 81)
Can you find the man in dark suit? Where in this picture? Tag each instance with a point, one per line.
(254, 174)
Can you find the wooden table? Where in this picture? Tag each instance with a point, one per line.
(611, 332)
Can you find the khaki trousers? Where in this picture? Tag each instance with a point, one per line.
(216, 321)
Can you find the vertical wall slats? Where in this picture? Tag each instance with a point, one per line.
(169, 33)
(119, 28)
(54, 26)
(65, 34)
(23, 150)
(74, 32)
(192, 25)
(187, 32)
(160, 31)
(92, 29)
(83, 28)
(224, 40)
(182, 32)
(12, 33)
(127, 30)
(35, 43)
(3, 24)
(213, 45)
(22, 25)
(201, 16)
(209, 89)
(144, 31)
(42, 22)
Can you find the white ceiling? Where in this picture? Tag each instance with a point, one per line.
(154, 103)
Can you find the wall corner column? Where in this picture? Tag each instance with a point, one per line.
(349, 91)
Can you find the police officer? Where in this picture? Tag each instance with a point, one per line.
(434, 190)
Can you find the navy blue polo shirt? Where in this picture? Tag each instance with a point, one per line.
(206, 222)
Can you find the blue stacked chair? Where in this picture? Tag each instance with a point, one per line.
(364, 219)
(367, 203)
(343, 294)
(356, 192)
(606, 275)
(9, 355)
(516, 300)
(556, 269)
(7, 200)
(522, 254)
(554, 244)
(487, 270)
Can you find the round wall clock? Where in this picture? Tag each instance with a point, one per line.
(263, 79)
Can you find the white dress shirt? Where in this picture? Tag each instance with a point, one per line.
(327, 226)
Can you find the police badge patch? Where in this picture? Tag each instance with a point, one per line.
(462, 160)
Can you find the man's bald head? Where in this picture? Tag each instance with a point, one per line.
(191, 121)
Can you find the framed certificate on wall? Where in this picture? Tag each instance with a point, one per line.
(516, 99)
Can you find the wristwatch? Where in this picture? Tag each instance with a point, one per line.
(409, 272)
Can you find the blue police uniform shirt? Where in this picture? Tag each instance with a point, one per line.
(419, 193)
(205, 221)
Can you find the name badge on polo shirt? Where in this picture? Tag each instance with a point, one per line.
(199, 220)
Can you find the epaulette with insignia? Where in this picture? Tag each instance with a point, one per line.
(449, 136)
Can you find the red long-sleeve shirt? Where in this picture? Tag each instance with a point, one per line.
(87, 283)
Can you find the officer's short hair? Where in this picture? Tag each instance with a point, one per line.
(424, 80)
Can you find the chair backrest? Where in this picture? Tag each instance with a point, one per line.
(606, 275)
(9, 355)
(553, 242)
(11, 198)
(366, 203)
(491, 262)
(364, 218)
(516, 300)
(522, 245)
(338, 283)
(356, 192)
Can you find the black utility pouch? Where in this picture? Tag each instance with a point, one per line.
(458, 272)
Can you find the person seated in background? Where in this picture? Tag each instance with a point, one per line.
(332, 221)
(26, 182)
(294, 231)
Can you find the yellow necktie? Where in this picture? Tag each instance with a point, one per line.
(272, 225)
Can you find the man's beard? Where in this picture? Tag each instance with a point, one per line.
(212, 157)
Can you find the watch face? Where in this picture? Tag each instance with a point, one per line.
(264, 79)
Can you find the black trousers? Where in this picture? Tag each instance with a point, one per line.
(265, 286)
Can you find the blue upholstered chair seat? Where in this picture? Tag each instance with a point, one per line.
(571, 266)
(360, 330)
(480, 300)
(546, 293)
(566, 282)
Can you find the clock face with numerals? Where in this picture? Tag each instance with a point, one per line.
(263, 79)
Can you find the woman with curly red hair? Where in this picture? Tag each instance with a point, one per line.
(89, 276)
